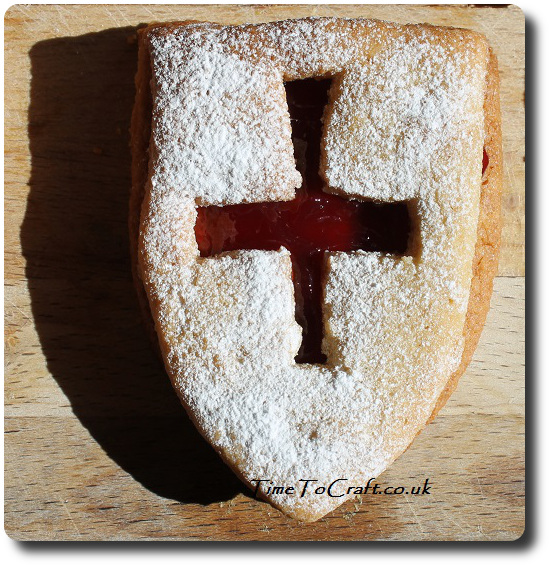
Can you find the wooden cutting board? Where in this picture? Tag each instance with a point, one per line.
(97, 446)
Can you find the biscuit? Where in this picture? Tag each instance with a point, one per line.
(411, 109)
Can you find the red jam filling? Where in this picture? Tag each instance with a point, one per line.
(485, 160)
(313, 223)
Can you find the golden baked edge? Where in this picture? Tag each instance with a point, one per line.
(486, 255)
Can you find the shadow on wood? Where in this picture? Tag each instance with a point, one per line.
(75, 242)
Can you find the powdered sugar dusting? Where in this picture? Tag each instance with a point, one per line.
(405, 123)
(220, 124)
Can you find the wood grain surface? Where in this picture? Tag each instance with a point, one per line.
(96, 444)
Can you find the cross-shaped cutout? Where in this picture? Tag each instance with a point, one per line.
(313, 223)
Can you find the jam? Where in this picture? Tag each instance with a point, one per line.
(313, 223)
(485, 160)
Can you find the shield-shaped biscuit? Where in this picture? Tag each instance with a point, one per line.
(411, 112)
